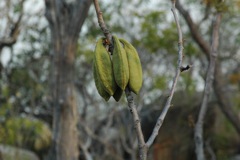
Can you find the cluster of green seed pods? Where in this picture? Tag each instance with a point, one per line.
(113, 74)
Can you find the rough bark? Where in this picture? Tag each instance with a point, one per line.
(65, 19)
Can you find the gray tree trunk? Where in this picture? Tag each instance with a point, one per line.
(65, 20)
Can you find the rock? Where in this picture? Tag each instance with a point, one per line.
(14, 153)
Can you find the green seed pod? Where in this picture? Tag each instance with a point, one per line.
(104, 94)
(135, 68)
(120, 64)
(104, 67)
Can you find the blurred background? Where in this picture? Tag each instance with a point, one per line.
(104, 129)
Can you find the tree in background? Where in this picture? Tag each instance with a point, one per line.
(9, 37)
(65, 21)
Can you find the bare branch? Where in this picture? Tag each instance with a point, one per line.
(210, 150)
(177, 74)
(98, 138)
(198, 134)
(125, 145)
(137, 125)
(85, 148)
(223, 98)
(10, 39)
(203, 45)
(91, 134)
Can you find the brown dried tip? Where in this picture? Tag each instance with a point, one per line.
(106, 41)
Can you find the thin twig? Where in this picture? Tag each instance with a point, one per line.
(98, 138)
(85, 147)
(198, 134)
(177, 74)
(210, 150)
(101, 23)
(203, 45)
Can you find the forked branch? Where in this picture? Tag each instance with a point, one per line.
(177, 74)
